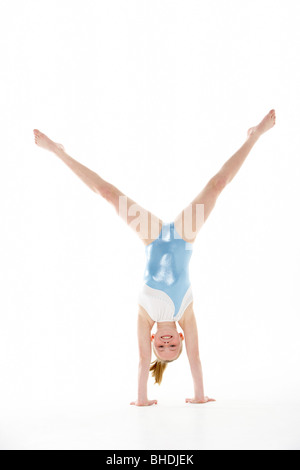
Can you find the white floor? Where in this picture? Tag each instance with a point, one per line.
(221, 425)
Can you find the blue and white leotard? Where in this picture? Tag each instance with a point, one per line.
(166, 291)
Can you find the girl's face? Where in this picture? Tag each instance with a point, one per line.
(167, 343)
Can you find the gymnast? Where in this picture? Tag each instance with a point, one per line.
(165, 297)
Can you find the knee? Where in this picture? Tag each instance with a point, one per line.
(219, 182)
(106, 192)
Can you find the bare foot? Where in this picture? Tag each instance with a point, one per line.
(44, 142)
(266, 124)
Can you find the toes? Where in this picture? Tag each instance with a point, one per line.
(272, 115)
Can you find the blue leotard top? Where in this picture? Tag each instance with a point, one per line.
(167, 264)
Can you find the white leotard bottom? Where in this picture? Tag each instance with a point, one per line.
(160, 306)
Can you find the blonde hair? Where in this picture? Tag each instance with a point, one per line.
(158, 367)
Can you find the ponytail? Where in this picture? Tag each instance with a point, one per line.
(157, 368)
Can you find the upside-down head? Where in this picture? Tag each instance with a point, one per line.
(167, 346)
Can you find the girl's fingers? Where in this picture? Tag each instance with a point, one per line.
(149, 403)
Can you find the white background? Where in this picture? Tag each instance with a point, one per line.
(154, 96)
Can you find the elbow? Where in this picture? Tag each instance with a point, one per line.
(144, 361)
(197, 359)
(194, 358)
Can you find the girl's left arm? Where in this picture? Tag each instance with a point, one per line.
(189, 326)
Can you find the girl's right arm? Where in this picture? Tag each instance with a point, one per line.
(144, 342)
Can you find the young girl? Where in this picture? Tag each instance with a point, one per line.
(166, 295)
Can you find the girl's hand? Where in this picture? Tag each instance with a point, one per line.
(199, 400)
(144, 403)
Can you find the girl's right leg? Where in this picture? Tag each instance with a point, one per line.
(146, 225)
(189, 221)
